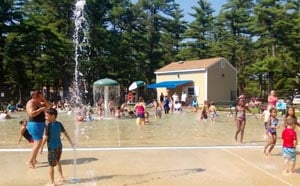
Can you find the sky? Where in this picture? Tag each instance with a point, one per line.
(186, 5)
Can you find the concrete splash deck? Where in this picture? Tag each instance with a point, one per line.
(176, 150)
(153, 166)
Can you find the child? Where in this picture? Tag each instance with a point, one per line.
(140, 109)
(157, 109)
(166, 105)
(100, 109)
(146, 115)
(240, 118)
(24, 132)
(212, 110)
(118, 112)
(111, 106)
(204, 111)
(79, 117)
(265, 115)
(290, 113)
(52, 136)
(4, 115)
(90, 114)
(272, 125)
(289, 137)
(195, 105)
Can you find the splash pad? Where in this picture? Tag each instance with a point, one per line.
(177, 149)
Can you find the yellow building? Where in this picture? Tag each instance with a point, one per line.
(213, 79)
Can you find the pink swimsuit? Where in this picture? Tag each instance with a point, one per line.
(140, 109)
(272, 101)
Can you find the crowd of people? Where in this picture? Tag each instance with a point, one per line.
(173, 103)
(9, 108)
(271, 125)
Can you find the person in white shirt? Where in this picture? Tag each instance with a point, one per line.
(265, 115)
(183, 98)
(175, 97)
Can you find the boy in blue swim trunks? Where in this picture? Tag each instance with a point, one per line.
(289, 138)
(52, 137)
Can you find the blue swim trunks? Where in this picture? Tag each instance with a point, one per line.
(36, 129)
(289, 153)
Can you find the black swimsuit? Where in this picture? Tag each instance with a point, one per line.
(27, 136)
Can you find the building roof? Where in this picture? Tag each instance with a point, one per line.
(189, 65)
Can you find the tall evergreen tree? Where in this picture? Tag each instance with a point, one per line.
(10, 17)
(234, 22)
(44, 42)
(274, 23)
(153, 18)
(199, 35)
(173, 34)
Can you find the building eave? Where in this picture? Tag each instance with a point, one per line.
(181, 71)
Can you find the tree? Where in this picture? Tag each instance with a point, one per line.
(10, 17)
(43, 42)
(199, 35)
(274, 23)
(234, 24)
(172, 34)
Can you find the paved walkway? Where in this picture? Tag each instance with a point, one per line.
(154, 166)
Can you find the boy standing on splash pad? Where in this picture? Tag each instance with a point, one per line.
(289, 138)
(52, 136)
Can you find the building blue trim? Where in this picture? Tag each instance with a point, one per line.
(168, 84)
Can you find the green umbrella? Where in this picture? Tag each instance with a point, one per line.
(136, 84)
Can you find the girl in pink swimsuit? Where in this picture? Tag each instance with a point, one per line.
(140, 111)
(240, 118)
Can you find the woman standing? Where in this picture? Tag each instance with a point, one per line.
(35, 108)
(272, 99)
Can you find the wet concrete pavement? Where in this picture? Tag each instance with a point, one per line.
(166, 152)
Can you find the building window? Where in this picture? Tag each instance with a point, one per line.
(191, 91)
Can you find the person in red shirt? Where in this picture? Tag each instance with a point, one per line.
(289, 138)
(130, 97)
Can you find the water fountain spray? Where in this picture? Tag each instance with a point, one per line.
(80, 40)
